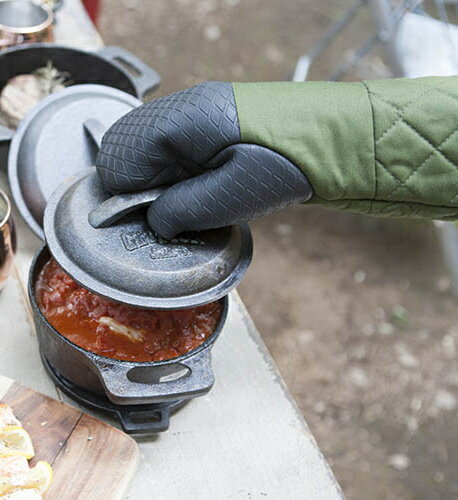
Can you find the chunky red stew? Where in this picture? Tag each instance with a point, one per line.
(119, 331)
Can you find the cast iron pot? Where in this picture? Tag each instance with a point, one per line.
(124, 382)
(112, 66)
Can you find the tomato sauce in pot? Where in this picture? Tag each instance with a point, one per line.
(119, 331)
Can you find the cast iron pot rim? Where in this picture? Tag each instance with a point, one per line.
(59, 46)
(88, 354)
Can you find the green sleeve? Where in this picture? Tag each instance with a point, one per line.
(386, 148)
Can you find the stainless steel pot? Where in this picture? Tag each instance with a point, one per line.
(122, 382)
(24, 22)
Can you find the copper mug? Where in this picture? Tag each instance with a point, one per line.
(24, 21)
(7, 238)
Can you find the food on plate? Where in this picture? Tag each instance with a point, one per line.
(17, 480)
(22, 495)
(116, 330)
(37, 478)
(15, 440)
(22, 92)
(7, 416)
(13, 464)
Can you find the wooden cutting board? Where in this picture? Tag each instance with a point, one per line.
(91, 459)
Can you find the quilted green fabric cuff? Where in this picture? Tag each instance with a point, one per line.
(386, 148)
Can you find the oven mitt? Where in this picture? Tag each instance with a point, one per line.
(233, 152)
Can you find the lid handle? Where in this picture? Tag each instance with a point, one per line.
(96, 130)
(144, 78)
(116, 207)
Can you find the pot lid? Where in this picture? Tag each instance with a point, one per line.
(106, 245)
(51, 143)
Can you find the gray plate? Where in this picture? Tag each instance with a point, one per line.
(119, 257)
(51, 144)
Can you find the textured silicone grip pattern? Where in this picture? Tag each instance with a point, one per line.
(253, 181)
(169, 139)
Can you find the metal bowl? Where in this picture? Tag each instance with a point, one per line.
(23, 15)
(124, 382)
(24, 21)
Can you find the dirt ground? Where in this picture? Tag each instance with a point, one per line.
(356, 311)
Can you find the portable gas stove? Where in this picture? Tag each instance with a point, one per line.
(134, 419)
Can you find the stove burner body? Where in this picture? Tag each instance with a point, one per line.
(134, 419)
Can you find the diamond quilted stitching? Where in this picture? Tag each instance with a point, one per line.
(450, 147)
(437, 162)
(400, 112)
(394, 145)
(434, 172)
(433, 127)
(394, 102)
(387, 182)
(419, 128)
(385, 120)
(439, 177)
(404, 92)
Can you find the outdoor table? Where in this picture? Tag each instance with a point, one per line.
(246, 439)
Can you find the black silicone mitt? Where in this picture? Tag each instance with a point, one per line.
(190, 141)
